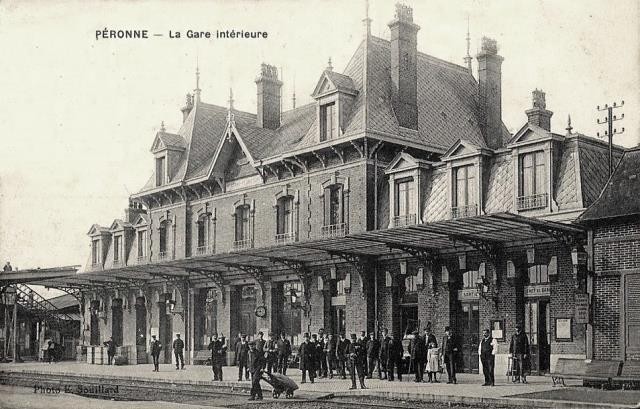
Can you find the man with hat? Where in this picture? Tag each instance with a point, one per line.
(330, 353)
(519, 350)
(111, 349)
(307, 356)
(255, 366)
(260, 342)
(178, 351)
(487, 351)
(270, 354)
(218, 350)
(242, 357)
(342, 354)
(373, 350)
(450, 352)
(383, 354)
(394, 358)
(317, 352)
(357, 359)
(156, 347)
(418, 353)
(284, 351)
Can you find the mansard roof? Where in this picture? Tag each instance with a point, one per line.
(620, 197)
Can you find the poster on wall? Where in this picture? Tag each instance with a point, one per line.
(563, 329)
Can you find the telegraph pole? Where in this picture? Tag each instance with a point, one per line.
(609, 120)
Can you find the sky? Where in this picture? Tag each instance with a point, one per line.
(78, 115)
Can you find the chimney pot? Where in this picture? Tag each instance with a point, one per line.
(269, 94)
(539, 115)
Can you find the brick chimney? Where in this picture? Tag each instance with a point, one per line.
(133, 211)
(404, 78)
(490, 88)
(186, 109)
(269, 90)
(539, 115)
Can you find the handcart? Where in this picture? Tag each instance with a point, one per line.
(280, 383)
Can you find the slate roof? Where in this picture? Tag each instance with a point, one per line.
(620, 196)
(171, 140)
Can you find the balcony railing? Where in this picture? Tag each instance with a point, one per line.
(243, 244)
(142, 259)
(464, 211)
(532, 201)
(335, 230)
(404, 220)
(203, 250)
(284, 238)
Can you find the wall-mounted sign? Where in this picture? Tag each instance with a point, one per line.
(537, 290)
(468, 294)
(582, 309)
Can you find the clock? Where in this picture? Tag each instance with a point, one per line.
(261, 311)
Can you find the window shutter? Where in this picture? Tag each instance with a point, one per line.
(632, 312)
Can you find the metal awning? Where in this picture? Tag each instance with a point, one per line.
(36, 274)
(479, 232)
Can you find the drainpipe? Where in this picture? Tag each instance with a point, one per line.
(375, 227)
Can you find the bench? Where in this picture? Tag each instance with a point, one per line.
(203, 356)
(595, 371)
(630, 375)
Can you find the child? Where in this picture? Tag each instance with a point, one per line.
(433, 362)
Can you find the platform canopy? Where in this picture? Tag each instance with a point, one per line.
(486, 233)
(36, 275)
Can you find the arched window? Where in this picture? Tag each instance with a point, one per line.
(470, 279)
(538, 274)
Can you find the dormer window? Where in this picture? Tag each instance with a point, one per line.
(95, 246)
(117, 248)
(160, 170)
(464, 199)
(532, 186)
(328, 121)
(405, 214)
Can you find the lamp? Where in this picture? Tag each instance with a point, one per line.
(295, 304)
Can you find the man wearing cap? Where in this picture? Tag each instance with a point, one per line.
(418, 352)
(330, 353)
(284, 351)
(394, 360)
(111, 350)
(342, 355)
(255, 366)
(357, 359)
(270, 354)
(322, 357)
(242, 357)
(156, 347)
(317, 351)
(519, 350)
(217, 356)
(373, 350)
(260, 342)
(306, 354)
(450, 352)
(178, 351)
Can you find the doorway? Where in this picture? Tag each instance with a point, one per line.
(247, 310)
(95, 323)
(470, 333)
(537, 328)
(116, 321)
(165, 331)
(141, 330)
(408, 319)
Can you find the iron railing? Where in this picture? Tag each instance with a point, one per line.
(284, 238)
(335, 230)
(532, 201)
(243, 244)
(202, 250)
(460, 212)
(404, 220)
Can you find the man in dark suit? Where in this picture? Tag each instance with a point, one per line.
(373, 350)
(519, 350)
(418, 353)
(323, 369)
(242, 357)
(357, 361)
(111, 350)
(394, 358)
(260, 343)
(270, 354)
(330, 353)
(450, 352)
(307, 353)
(178, 351)
(255, 365)
(218, 350)
(383, 354)
(487, 351)
(156, 347)
(283, 347)
(342, 350)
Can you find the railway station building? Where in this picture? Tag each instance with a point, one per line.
(396, 199)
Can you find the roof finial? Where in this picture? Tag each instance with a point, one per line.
(162, 128)
(367, 20)
(196, 91)
(467, 58)
(569, 128)
(230, 98)
(329, 66)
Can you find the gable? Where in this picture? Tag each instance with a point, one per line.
(462, 148)
(158, 144)
(323, 85)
